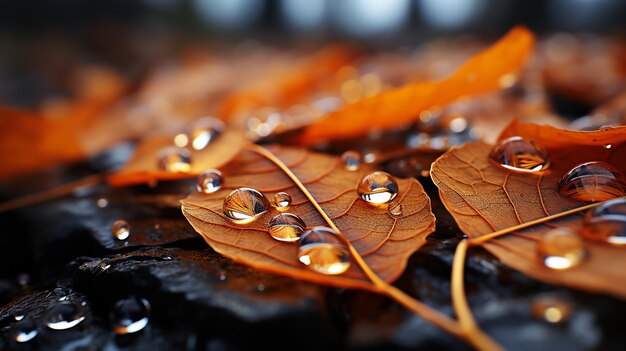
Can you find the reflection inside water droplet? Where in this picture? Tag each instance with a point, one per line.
(286, 227)
(593, 181)
(65, 315)
(130, 315)
(175, 160)
(209, 181)
(378, 188)
(607, 222)
(244, 205)
(323, 251)
(120, 229)
(561, 248)
(519, 154)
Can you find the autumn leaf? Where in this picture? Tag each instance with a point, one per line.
(146, 164)
(385, 241)
(485, 198)
(481, 74)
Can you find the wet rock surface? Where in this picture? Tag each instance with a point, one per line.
(62, 251)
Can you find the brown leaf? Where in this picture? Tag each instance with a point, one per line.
(394, 108)
(144, 166)
(484, 198)
(384, 241)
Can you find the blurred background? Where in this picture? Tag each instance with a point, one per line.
(39, 37)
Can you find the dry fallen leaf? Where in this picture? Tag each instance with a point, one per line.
(144, 167)
(483, 73)
(484, 198)
(383, 240)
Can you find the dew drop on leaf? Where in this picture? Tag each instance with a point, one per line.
(120, 229)
(175, 160)
(395, 208)
(607, 222)
(244, 205)
(282, 200)
(24, 331)
(286, 227)
(351, 160)
(65, 315)
(561, 248)
(130, 315)
(323, 251)
(551, 308)
(593, 181)
(520, 155)
(204, 131)
(209, 181)
(378, 188)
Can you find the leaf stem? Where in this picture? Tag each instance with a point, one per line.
(50, 194)
(483, 238)
(383, 287)
(479, 339)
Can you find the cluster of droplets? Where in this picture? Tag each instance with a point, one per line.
(178, 158)
(595, 181)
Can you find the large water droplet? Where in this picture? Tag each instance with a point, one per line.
(130, 315)
(175, 160)
(65, 315)
(561, 248)
(551, 308)
(519, 154)
(395, 208)
(25, 330)
(607, 222)
(282, 200)
(378, 188)
(351, 160)
(204, 131)
(323, 251)
(286, 227)
(593, 181)
(209, 181)
(120, 229)
(244, 205)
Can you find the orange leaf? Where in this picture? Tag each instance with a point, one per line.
(144, 167)
(383, 240)
(396, 107)
(484, 198)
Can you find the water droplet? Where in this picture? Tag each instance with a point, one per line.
(323, 251)
(130, 315)
(395, 208)
(175, 160)
(593, 181)
(120, 229)
(607, 222)
(260, 288)
(286, 227)
(19, 315)
(244, 205)
(282, 200)
(204, 131)
(551, 308)
(561, 248)
(222, 276)
(378, 188)
(209, 181)
(65, 315)
(507, 80)
(351, 160)
(608, 146)
(25, 330)
(105, 264)
(102, 202)
(518, 154)
(181, 140)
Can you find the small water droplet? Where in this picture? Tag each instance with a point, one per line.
(518, 154)
(561, 248)
(222, 276)
(608, 146)
(181, 140)
(175, 160)
(456, 123)
(19, 315)
(102, 202)
(24, 331)
(244, 205)
(204, 131)
(551, 308)
(260, 288)
(607, 222)
(65, 315)
(370, 157)
(282, 200)
(209, 181)
(130, 315)
(120, 229)
(395, 208)
(105, 264)
(378, 188)
(286, 227)
(593, 181)
(351, 160)
(323, 251)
